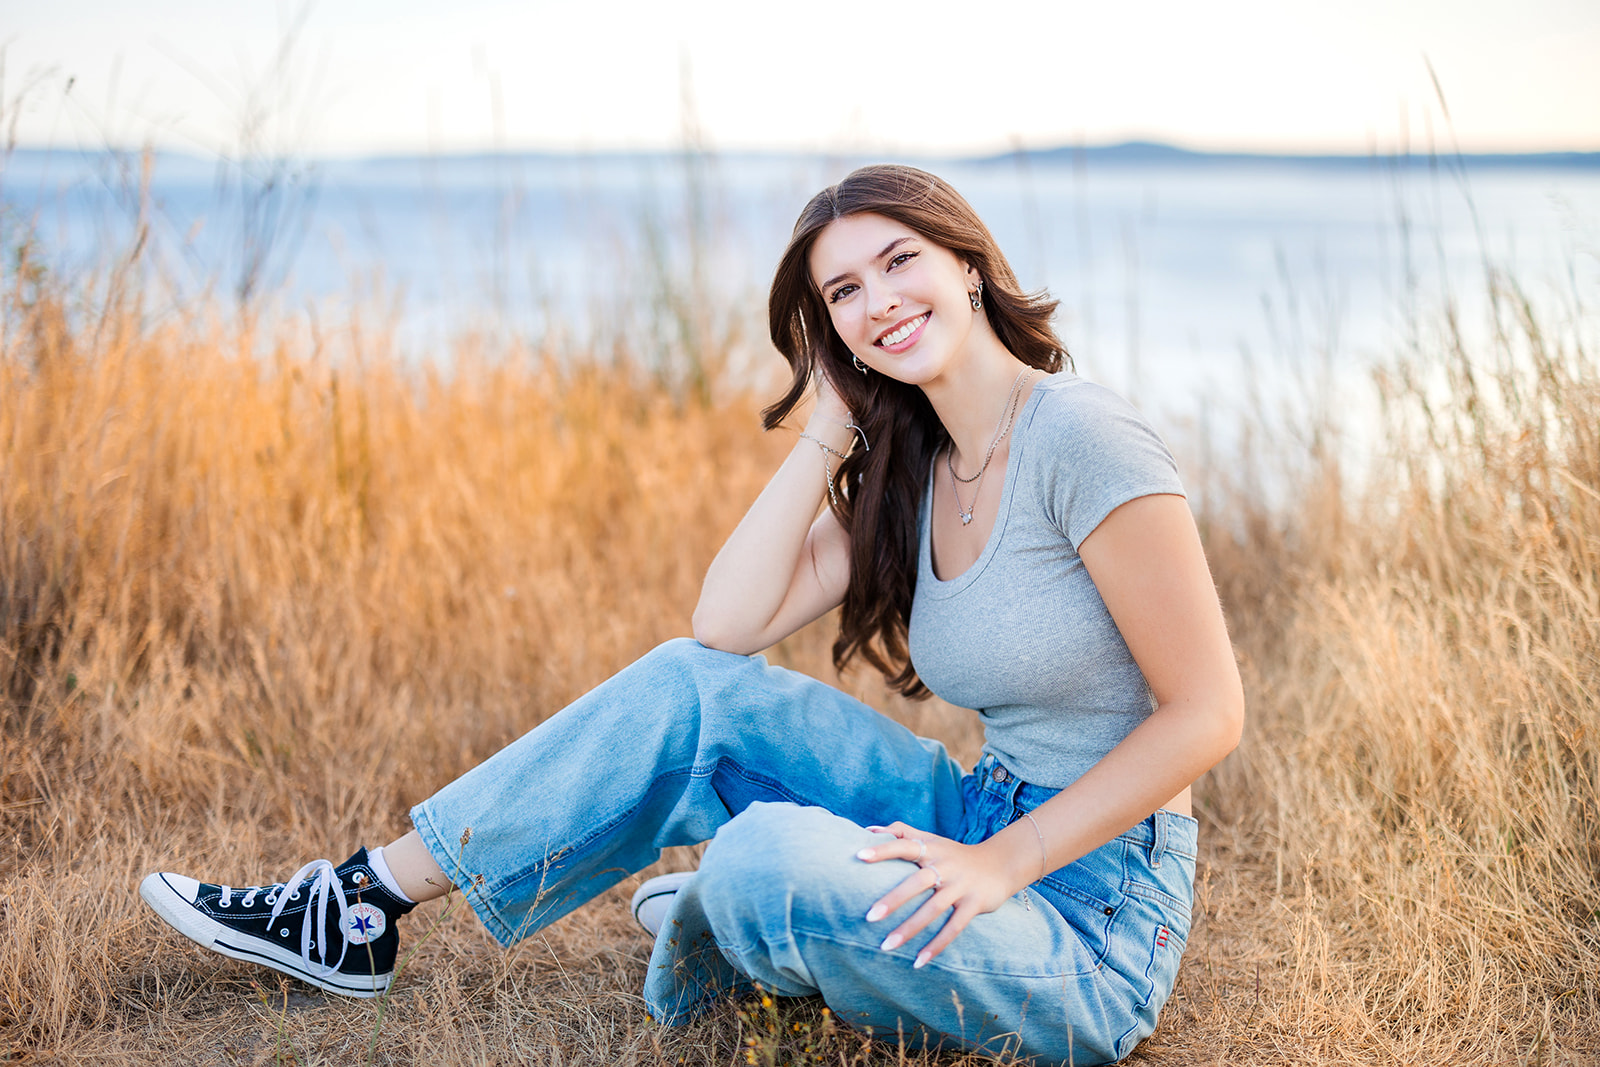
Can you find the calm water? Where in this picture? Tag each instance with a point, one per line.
(1176, 282)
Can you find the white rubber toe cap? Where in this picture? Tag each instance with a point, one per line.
(184, 888)
(172, 897)
(652, 900)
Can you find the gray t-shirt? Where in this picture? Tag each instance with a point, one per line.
(1022, 635)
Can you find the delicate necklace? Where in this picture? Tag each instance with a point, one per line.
(1000, 431)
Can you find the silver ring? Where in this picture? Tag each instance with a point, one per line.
(923, 845)
(938, 879)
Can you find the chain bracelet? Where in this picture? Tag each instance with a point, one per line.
(824, 446)
(829, 450)
(827, 465)
(1043, 855)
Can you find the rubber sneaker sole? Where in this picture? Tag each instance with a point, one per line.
(166, 899)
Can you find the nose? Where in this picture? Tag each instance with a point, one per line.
(884, 300)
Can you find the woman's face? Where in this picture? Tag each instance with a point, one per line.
(898, 300)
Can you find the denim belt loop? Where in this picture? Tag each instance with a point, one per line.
(1159, 848)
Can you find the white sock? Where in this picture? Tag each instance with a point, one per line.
(380, 867)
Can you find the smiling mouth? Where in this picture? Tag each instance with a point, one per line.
(894, 337)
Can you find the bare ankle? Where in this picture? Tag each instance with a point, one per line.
(417, 872)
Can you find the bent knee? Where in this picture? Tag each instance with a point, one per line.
(685, 678)
(685, 667)
(686, 653)
(783, 833)
(787, 860)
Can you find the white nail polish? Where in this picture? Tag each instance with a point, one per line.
(890, 943)
(921, 961)
(876, 913)
(864, 854)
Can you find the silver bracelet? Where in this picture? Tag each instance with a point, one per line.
(829, 450)
(852, 427)
(827, 465)
(1044, 859)
(824, 445)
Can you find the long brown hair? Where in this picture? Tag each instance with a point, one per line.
(879, 490)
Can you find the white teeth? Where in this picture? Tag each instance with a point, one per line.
(903, 332)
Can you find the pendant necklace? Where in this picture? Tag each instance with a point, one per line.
(956, 481)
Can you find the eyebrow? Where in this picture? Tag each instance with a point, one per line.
(890, 247)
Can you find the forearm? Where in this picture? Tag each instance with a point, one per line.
(1148, 565)
(754, 572)
(1157, 761)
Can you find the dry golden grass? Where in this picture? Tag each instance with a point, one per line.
(256, 598)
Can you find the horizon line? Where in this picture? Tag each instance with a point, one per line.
(1131, 151)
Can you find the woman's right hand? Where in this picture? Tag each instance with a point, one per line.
(830, 406)
(784, 564)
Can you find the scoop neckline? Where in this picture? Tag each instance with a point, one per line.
(944, 587)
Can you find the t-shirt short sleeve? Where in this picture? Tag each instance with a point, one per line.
(1101, 454)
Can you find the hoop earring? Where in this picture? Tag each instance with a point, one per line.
(860, 366)
(976, 296)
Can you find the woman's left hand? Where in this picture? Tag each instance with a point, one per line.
(962, 878)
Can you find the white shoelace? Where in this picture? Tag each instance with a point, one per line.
(324, 884)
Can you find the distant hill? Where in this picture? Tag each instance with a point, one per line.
(1150, 153)
(194, 168)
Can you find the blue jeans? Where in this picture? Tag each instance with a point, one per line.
(781, 773)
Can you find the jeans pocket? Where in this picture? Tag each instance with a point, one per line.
(1148, 936)
(1171, 907)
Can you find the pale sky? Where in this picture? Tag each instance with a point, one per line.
(923, 77)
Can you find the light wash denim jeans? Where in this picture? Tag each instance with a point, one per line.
(781, 773)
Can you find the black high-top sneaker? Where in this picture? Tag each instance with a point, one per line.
(330, 926)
